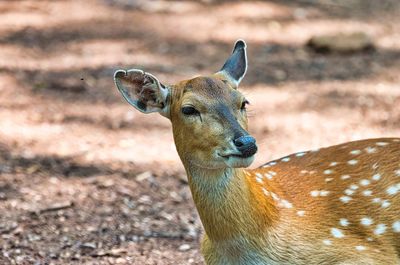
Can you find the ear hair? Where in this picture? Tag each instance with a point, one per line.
(143, 91)
(236, 66)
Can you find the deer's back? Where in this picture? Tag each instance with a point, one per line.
(344, 197)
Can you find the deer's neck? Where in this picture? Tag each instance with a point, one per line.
(229, 203)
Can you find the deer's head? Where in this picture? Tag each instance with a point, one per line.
(208, 113)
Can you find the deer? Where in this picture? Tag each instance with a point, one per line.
(334, 205)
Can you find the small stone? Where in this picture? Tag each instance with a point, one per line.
(341, 43)
(120, 261)
(116, 252)
(184, 247)
(88, 245)
(143, 176)
(106, 183)
(175, 197)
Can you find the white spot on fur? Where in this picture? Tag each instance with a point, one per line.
(380, 229)
(376, 200)
(370, 150)
(344, 222)
(301, 213)
(360, 248)
(366, 221)
(266, 192)
(352, 162)
(274, 196)
(345, 177)
(328, 171)
(332, 164)
(322, 193)
(300, 154)
(370, 239)
(396, 227)
(365, 182)
(286, 204)
(367, 192)
(337, 233)
(381, 143)
(376, 177)
(259, 178)
(353, 186)
(345, 199)
(270, 174)
(392, 190)
(327, 242)
(286, 159)
(348, 192)
(328, 179)
(273, 163)
(385, 204)
(397, 172)
(355, 152)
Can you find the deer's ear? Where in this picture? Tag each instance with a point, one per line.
(143, 91)
(236, 66)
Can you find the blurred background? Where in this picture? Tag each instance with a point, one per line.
(85, 179)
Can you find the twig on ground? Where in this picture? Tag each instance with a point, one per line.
(54, 207)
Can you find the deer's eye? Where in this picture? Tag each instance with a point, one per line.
(189, 110)
(244, 104)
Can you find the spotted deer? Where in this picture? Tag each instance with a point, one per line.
(335, 205)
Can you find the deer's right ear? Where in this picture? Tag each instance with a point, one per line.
(143, 91)
(236, 66)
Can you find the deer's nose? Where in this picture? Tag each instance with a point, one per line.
(246, 145)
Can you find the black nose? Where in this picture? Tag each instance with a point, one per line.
(246, 145)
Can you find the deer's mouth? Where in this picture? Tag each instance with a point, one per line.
(236, 160)
(236, 156)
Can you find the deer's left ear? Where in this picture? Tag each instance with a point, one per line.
(236, 66)
(143, 91)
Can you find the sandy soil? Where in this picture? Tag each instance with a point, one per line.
(85, 179)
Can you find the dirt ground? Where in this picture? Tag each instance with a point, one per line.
(85, 179)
